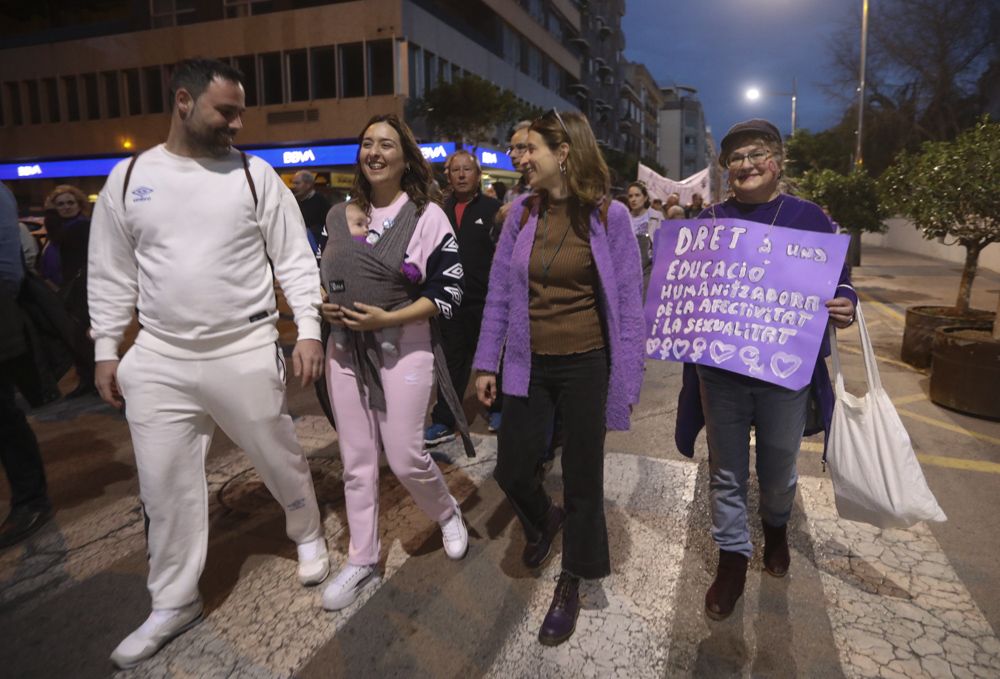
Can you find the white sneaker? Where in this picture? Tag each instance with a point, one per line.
(160, 627)
(348, 584)
(455, 535)
(314, 562)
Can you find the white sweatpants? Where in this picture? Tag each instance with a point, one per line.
(172, 408)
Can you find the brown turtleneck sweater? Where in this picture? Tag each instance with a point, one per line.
(562, 286)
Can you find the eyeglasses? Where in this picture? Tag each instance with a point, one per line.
(516, 148)
(755, 157)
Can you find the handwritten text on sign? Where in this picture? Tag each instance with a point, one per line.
(742, 296)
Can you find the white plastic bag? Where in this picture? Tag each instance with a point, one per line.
(876, 476)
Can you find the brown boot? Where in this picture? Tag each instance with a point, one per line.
(727, 589)
(776, 556)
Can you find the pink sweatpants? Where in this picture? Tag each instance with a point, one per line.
(408, 382)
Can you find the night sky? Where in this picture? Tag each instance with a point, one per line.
(722, 47)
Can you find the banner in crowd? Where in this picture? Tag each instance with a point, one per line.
(661, 187)
(742, 296)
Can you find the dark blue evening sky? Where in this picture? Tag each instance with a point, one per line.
(722, 47)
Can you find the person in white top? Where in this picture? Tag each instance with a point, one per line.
(188, 232)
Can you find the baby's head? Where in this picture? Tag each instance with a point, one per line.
(357, 221)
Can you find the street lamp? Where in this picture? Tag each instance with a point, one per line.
(858, 158)
(753, 94)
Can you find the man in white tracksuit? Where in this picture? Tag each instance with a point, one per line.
(184, 232)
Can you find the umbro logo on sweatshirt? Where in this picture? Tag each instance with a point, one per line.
(141, 194)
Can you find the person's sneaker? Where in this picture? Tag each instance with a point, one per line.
(348, 584)
(455, 535)
(21, 523)
(160, 627)
(314, 562)
(494, 423)
(438, 433)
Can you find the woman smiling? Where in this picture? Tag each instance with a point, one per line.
(728, 404)
(408, 262)
(564, 293)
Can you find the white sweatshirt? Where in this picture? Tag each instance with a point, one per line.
(187, 248)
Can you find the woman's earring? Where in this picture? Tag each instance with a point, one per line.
(562, 168)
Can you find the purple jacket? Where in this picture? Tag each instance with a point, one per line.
(505, 317)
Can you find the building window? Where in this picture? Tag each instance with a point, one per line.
(297, 64)
(415, 57)
(34, 102)
(352, 70)
(324, 72)
(430, 73)
(52, 100)
(247, 65)
(133, 93)
(171, 12)
(153, 89)
(380, 66)
(72, 98)
(112, 94)
(14, 97)
(92, 103)
(243, 8)
(270, 79)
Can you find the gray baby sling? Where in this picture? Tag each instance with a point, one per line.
(356, 272)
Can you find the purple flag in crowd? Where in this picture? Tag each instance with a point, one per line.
(742, 296)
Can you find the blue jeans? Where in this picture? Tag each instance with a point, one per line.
(732, 403)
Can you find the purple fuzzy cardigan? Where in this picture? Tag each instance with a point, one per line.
(505, 318)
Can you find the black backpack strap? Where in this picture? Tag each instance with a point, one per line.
(246, 169)
(128, 176)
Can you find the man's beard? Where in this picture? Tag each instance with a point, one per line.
(213, 141)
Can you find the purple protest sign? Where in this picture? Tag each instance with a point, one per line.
(742, 296)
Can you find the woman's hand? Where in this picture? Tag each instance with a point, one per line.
(486, 388)
(841, 311)
(332, 313)
(366, 317)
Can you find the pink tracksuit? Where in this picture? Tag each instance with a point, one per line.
(408, 384)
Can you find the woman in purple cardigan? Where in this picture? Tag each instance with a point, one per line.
(565, 307)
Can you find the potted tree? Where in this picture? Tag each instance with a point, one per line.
(852, 201)
(949, 190)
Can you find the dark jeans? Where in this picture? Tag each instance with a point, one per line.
(19, 452)
(576, 386)
(459, 337)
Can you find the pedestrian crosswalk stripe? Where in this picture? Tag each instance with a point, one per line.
(896, 606)
(625, 617)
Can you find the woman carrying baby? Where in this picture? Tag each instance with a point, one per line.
(402, 274)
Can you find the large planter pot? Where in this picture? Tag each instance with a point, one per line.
(966, 372)
(922, 321)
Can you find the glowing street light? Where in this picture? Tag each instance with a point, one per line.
(753, 94)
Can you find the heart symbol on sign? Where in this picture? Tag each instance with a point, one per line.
(783, 364)
(652, 345)
(680, 348)
(720, 351)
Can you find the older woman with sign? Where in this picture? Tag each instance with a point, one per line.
(564, 304)
(728, 404)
